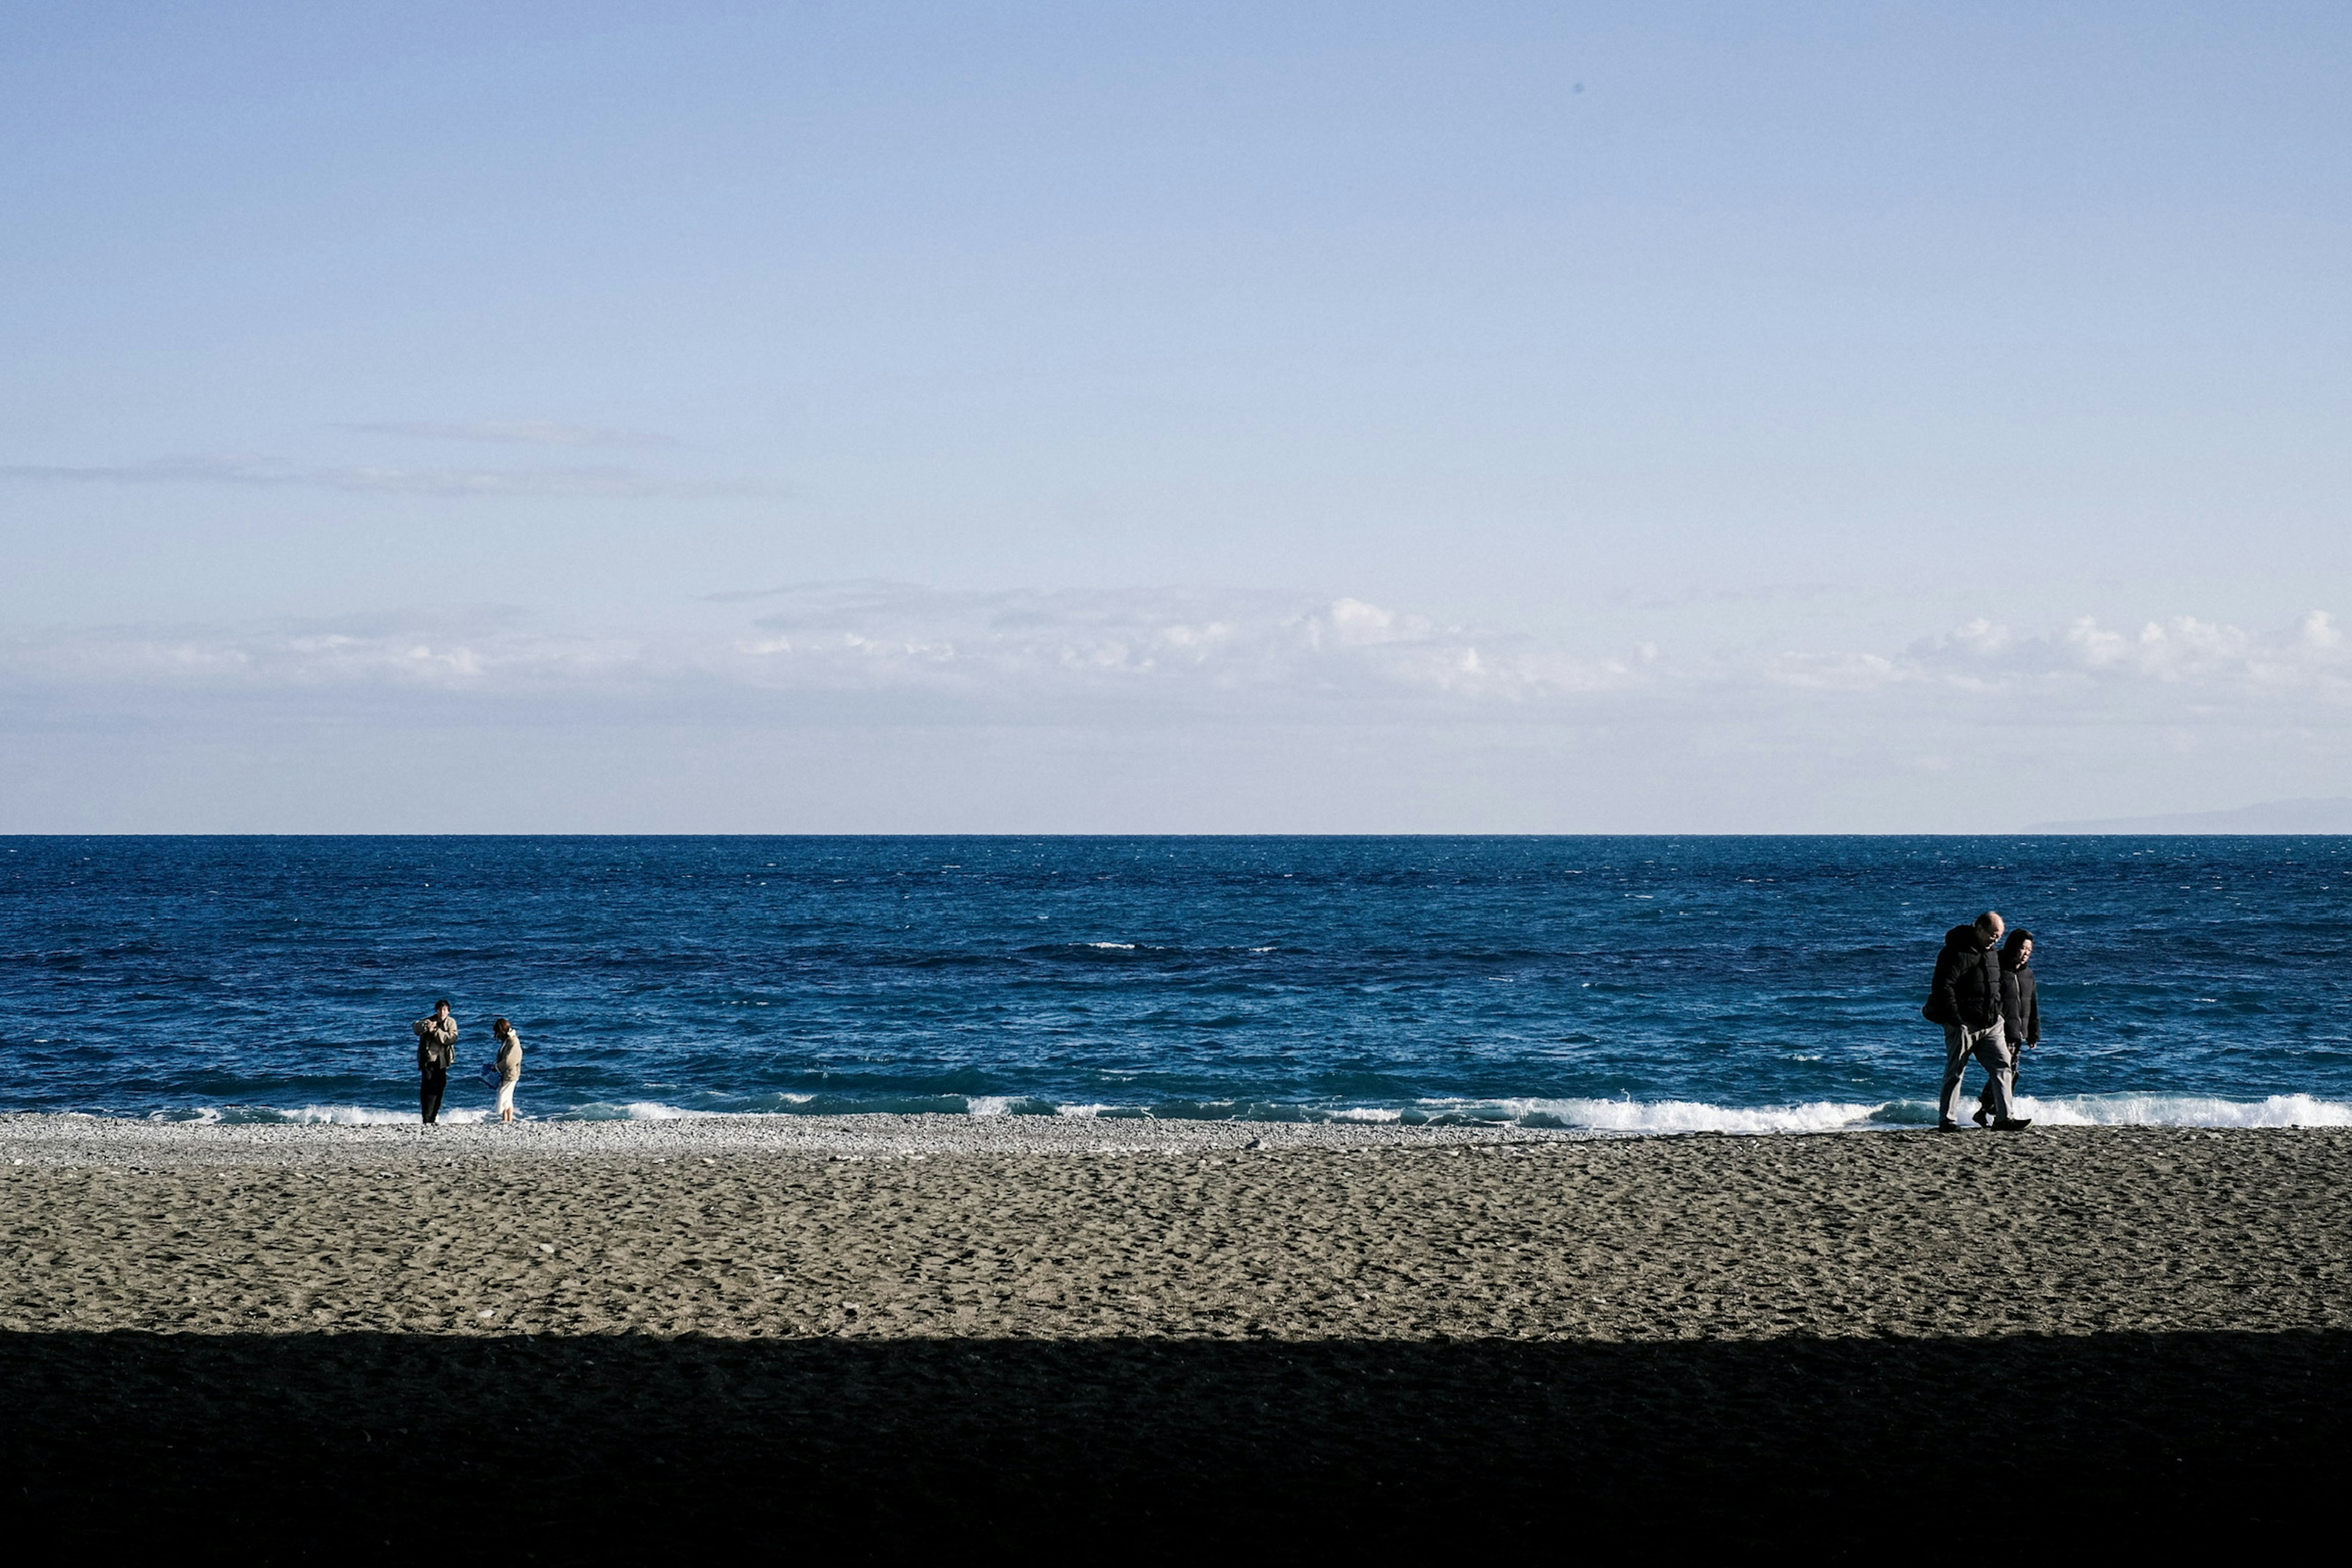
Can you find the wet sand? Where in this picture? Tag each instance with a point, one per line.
(879, 1325)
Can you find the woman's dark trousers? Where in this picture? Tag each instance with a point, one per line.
(429, 1085)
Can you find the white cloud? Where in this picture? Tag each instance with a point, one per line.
(2086, 662)
(380, 480)
(2184, 652)
(1193, 649)
(316, 660)
(514, 433)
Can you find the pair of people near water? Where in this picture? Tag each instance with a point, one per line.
(437, 1052)
(1983, 995)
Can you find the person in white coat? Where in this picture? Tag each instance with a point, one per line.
(508, 1061)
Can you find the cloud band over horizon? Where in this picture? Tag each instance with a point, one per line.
(877, 706)
(1190, 654)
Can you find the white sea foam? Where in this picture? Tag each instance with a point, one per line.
(1662, 1115)
(1830, 1116)
(635, 1110)
(2184, 1111)
(333, 1115)
(1626, 1117)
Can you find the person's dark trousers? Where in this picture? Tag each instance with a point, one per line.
(429, 1085)
(2016, 1061)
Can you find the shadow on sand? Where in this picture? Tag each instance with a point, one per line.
(288, 1446)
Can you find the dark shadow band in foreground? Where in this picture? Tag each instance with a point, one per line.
(1848, 1446)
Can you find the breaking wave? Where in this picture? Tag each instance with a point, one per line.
(1620, 1118)
(2185, 1110)
(314, 1115)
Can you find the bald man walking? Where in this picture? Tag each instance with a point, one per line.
(1965, 1000)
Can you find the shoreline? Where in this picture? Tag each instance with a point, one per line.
(41, 1136)
(75, 1138)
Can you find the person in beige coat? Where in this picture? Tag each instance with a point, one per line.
(508, 1061)
(436, 1048)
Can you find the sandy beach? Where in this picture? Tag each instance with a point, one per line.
(865, 1321)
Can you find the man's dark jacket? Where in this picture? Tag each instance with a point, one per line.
(2021, 1011)
(1966, 988)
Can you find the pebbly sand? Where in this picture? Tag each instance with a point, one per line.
(865, 1329)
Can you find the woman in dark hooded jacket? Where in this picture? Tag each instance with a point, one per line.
(2021, 1010)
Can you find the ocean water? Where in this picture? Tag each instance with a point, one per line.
(1630, 985)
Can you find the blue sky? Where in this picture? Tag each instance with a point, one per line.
(901, 418)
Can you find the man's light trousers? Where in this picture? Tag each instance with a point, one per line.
(1988, 1045)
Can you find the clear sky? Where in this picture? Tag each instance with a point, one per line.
(1266, 417)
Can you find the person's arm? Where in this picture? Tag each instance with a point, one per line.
(2033, 1018)
(1947, 995)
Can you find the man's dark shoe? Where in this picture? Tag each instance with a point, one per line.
(2013, 1124)
(1981, 1116)
(1947, 1127)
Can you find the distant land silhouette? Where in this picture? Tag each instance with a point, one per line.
(2333, 816)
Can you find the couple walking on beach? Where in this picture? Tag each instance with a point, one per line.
(437, 1052)
(1983, 995)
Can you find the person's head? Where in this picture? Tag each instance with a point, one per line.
(500, 1028)
(1987, 929)
(441, 1009)
(2018, 949)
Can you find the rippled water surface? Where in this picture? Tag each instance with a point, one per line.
(1637, 983)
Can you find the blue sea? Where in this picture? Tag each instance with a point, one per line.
(1629, 985)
